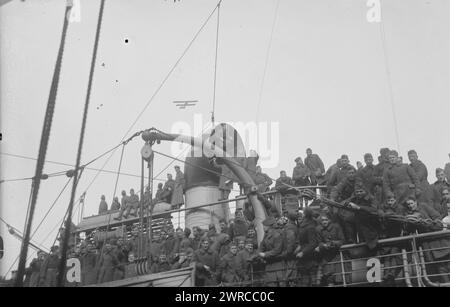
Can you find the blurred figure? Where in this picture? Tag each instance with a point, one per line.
(178, 189)
(115, 204)
(301, 174)
(400, 179)
(283, 183)
(359, 165)
(103, 207)
(35, 266)
(440, 184)
(49, 269)
(422, 176)
(316, 167)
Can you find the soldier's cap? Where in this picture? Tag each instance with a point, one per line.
(393, 152)
(212, 226)
(297, 159)
(248, 241)
(368, 155)
(412, 152)
(269, 221)
(308, 149)
(384, 151)
(344, 157)
(176, 166)
(359, 186)
(390, 195)
(324, 215)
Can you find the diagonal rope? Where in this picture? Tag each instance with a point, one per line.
(51, 207)
(269, 47)
(152, 97)
(215, 66)
(173, 68)
(62, 263)
(389, 81)
(43, 147)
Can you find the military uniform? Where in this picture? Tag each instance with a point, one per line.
(344, 189)
(231, 272)
(107, 263)
(447, 171)
(378, 179)
(49, 271)
(282, 184)
(251, 265)
(315, 165)
(422, 175)
(301, 175)
(158, 267)
(390, 229)
(330, 240)
(437, 189)
(211, 259)
(178, 191)
(435, 250)
(89, 267)
(367, 226)
(271, 246)
(238, 228)
(339, 175)
(400, 180)
(342, 192)
(290, 238)
(103, 207)
(307, 242)
(168, 189)
(35, 267)
(115, 206)
(367, 177)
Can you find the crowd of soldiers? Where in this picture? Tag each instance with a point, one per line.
(301, 243)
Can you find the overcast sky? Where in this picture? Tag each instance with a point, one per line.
(326, 85)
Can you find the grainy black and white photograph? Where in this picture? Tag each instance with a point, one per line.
(229, 147)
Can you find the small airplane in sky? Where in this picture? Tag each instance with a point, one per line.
(182, 104)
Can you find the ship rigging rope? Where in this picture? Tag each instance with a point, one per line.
(115, 189)
(45, 136)
(51, 207)
(17, 231)
(173, 68)
(269, 47)
(389, 81)
(56, 174)
(215, 65)
(62, 263)
(60, 223)
(86, 168)
(113, 150)
(118, 171)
